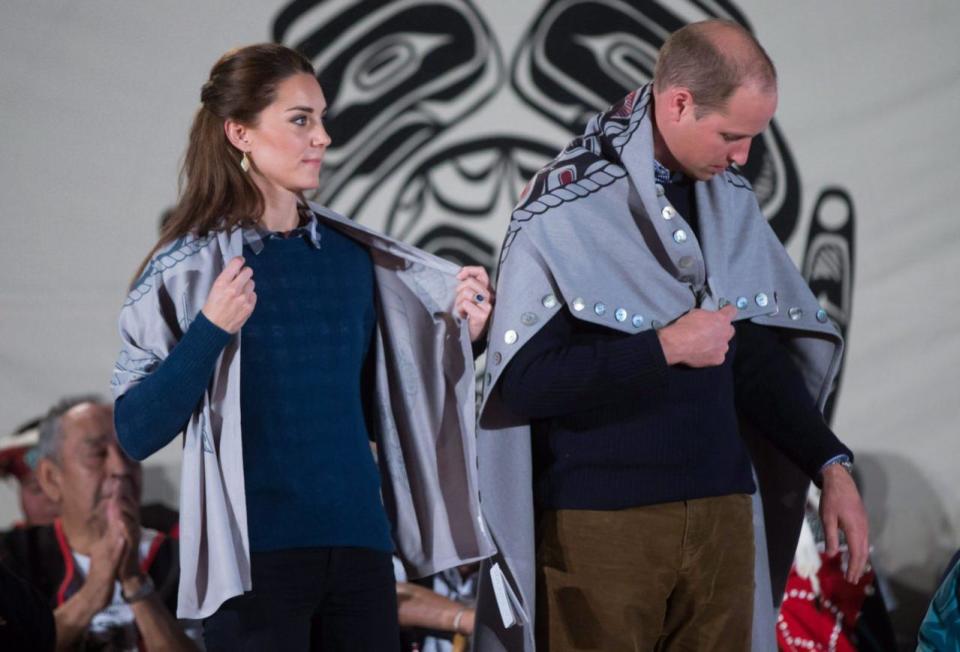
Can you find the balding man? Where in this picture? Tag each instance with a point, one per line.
(647, 321)
(112, 583)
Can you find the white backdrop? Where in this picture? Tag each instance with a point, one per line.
(96, 99)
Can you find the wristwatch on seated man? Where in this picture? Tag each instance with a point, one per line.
(140, 592)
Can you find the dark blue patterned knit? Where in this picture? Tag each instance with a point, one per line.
(309, 473)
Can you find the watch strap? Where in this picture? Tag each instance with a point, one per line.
(146, 588)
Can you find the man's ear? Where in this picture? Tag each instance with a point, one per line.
(51, 480)
(678, 103)
(237, 134)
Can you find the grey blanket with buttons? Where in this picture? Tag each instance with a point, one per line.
(594, 235)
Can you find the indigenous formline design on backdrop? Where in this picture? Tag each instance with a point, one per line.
(441, 110)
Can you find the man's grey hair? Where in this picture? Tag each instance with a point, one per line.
(51, 430)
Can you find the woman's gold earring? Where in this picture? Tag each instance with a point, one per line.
(245, 163)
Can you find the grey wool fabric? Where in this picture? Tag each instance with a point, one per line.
(425, 402)
(593, 234)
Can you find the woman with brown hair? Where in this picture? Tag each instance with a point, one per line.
(286, 531)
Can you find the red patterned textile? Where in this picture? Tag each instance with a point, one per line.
(821, 615)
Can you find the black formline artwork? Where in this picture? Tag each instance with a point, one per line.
(420, 95)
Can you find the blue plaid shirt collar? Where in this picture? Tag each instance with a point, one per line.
(663, 176)
(255, 236)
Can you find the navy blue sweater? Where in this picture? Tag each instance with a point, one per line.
(309, 474)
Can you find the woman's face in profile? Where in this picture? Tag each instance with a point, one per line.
(288, 143)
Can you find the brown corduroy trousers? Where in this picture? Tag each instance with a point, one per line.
(675, 577)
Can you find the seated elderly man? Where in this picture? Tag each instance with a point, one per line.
(112, 583)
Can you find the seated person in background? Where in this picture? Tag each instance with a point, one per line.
(111, 582)
(15, 460)
(18, 458)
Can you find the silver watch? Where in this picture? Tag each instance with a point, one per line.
(847, 464)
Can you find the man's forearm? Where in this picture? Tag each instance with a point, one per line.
(160, 630)
(421, 607)
(72, 619)
(772, 394)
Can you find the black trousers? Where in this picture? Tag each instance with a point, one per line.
(317, 599)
